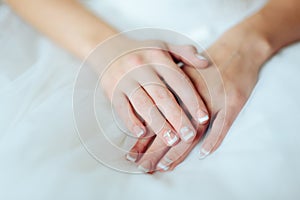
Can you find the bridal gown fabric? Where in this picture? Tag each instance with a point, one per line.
(42, 156)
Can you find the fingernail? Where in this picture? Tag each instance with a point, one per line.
(162, 166)
(180, 64)
(186, 133)
(167, 160)
(131, 158)
(138, 131)
(203, 120)
(145, 166)
(170, 137)
(202, 117)
(201, 57)
(203, 154)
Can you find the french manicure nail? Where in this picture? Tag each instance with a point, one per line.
(186, 133)
(138, 131)
(201, 57)
(130, 158)
(202, 117)
(167, 160)
(203, 154)
(162, 166)
(145, 166)
(170, 137)
(180, 64)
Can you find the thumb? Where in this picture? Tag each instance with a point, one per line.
(188, 54)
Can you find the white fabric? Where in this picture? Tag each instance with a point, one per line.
(41, 154)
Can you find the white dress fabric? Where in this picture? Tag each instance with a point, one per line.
(42, 156)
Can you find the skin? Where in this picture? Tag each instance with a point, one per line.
(238, 56)
(140, 91)
(133, 82)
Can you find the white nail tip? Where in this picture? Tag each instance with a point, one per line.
(128, 157)
(162, 166)
(172, 141)
(168, 160)
(201, 57)
(140, 167)
(186, 133)
(203, 154)
(180, 64)
(189, 136)
(139, 131)
(169, 139)
(203, 119)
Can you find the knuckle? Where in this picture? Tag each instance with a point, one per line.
(176, 118)
(134, 59)
(139, 101)
(157, 54)
(237, 98)
(162, 93)
(190, 48)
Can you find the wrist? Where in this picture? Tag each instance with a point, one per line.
(93, 38)
(256, 45)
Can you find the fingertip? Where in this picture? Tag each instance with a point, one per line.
(203, 153)
(203, 62)
(162, 167)
(139, 130)
(145, 166)
(170, 138)
(131, 158)
(202, 117)
(187, 134)
(164, 164)
(132, 155)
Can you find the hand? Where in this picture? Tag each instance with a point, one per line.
(225, 87)
(141, 86)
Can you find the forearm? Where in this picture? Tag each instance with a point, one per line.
(67, 22)
(278, 22)
(260, 36)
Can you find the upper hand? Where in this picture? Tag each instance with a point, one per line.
(141, 85)
(225, 87)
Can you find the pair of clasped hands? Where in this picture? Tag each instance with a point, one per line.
(169, 96)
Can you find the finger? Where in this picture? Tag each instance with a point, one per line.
(146, 108)
(151, 157)
(185, 90)
(178, 153)
(189, 55)
(127, 115)
(219, 129)
(169, 107)
(140, 147)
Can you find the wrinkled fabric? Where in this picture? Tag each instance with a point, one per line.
(42, 156)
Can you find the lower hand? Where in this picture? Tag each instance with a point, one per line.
(225, 87)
